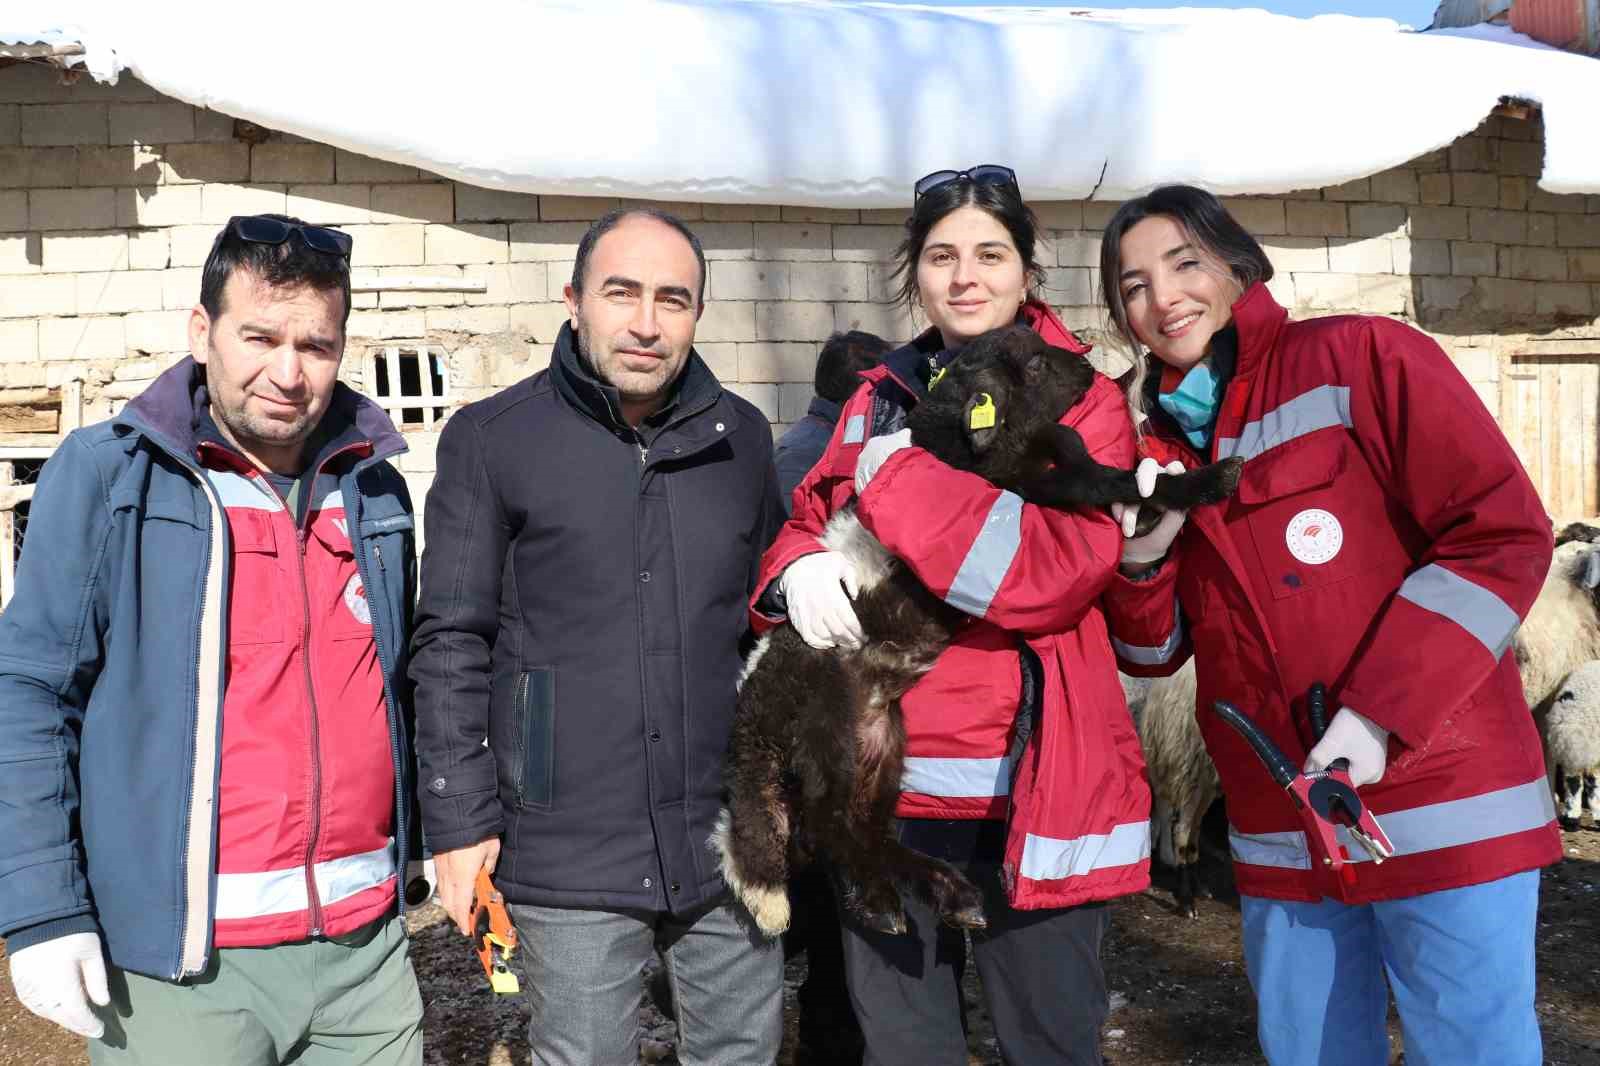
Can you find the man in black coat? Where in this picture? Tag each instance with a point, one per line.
(593, 534)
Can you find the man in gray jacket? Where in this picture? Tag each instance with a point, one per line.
(592, 535)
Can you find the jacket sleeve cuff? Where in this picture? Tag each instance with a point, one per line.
(28, 936)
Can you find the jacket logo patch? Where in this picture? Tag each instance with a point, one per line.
(355, 598)
(1314, 536)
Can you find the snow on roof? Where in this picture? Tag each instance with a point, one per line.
(846, 104)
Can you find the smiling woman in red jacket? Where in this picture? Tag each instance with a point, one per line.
(1385, 541)
(1022, 765)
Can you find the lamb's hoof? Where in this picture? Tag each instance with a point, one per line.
(970, 917)
(1569, 824)
(769, 907)
(891, 922)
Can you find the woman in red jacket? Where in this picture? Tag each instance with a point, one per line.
(1022, 765)
(1384, 541)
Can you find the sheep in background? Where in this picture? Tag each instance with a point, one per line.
(1183, 780)
(1562, 630)
(1572, 745)
(1577, 531)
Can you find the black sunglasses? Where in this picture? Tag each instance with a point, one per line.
(261, 229)
(987, 174)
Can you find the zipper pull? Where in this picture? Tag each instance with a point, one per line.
(377, 550)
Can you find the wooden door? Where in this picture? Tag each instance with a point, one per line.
(1548, 404)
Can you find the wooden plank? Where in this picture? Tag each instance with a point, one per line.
(71, 405)
(1588, 397)
(1519, 418)
(18, 419)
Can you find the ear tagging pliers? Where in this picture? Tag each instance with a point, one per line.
(1325, 798)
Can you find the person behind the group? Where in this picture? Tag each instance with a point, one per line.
(1386, 542)
(838, 375)
(1022, 764)
(203, 715)
(592, 537)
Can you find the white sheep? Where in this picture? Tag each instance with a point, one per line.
(1562, 630)
(1183, 779)
(1572, 745)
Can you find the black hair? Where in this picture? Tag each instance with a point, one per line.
(609, 221)
(843, 358)
(1002, 202)
(1203, 219)
(291, 263)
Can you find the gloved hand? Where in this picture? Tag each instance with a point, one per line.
(1154, 545)
(58, 979)
(1361, 740)
(876, 453)
(818, 589)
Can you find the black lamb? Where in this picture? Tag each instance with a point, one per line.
(817, 747)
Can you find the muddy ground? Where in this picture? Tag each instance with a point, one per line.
(1178, 987)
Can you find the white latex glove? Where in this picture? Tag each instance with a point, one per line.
(1361, 740)
(1153, 546)
(876, 453)
(58, 979)
(818, 589)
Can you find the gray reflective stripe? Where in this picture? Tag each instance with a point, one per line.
(955, 778)
(1470, 606)
(1321, 408)
(1163, 652)
(254, 895)
(1416, 830)
(1051, 859)
(241, 493)
(855, 429)
(989, 558)
(1284, 850)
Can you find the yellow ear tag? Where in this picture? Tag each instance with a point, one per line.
(983, 415)
(937, 376)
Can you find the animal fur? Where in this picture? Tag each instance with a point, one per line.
(1571, 731)
(818, 744)
(1183, 779)
(1562, 630)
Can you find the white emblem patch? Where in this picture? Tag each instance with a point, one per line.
(1314, 536)
(355, 598)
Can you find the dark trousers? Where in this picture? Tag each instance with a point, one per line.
(1042, 981)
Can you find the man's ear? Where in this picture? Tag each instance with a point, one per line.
(571, 299)
(980, 419)
(199, 334)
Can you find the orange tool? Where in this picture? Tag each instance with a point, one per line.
(491, 929)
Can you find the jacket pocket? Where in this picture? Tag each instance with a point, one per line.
(536, 710)
(1311, 523)
(256, 614)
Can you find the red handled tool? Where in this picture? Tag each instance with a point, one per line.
(1325, 798)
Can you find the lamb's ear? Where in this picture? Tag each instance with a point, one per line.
(980, 418)
(1591, 569)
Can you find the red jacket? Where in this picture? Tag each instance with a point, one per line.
(1078, 802)
(306, 796)
(1385, 541)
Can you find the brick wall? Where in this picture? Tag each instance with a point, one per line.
(110, 197)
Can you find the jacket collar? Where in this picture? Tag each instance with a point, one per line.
(826, 410)
(695, 388)
(166, 413)
(911, 366)
(1259, 321)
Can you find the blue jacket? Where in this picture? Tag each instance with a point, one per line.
(112, 666)
(802, 445)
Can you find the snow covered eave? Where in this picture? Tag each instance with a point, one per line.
(845, 104)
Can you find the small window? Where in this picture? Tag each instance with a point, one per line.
(17, 478)
(412, 383)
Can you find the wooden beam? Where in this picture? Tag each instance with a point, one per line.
(17, 419)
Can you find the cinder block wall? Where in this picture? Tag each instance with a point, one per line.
(110, 197)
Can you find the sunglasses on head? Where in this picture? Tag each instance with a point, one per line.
(261, 229)
(987, 174)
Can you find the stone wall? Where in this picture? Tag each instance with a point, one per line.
(110, 197)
